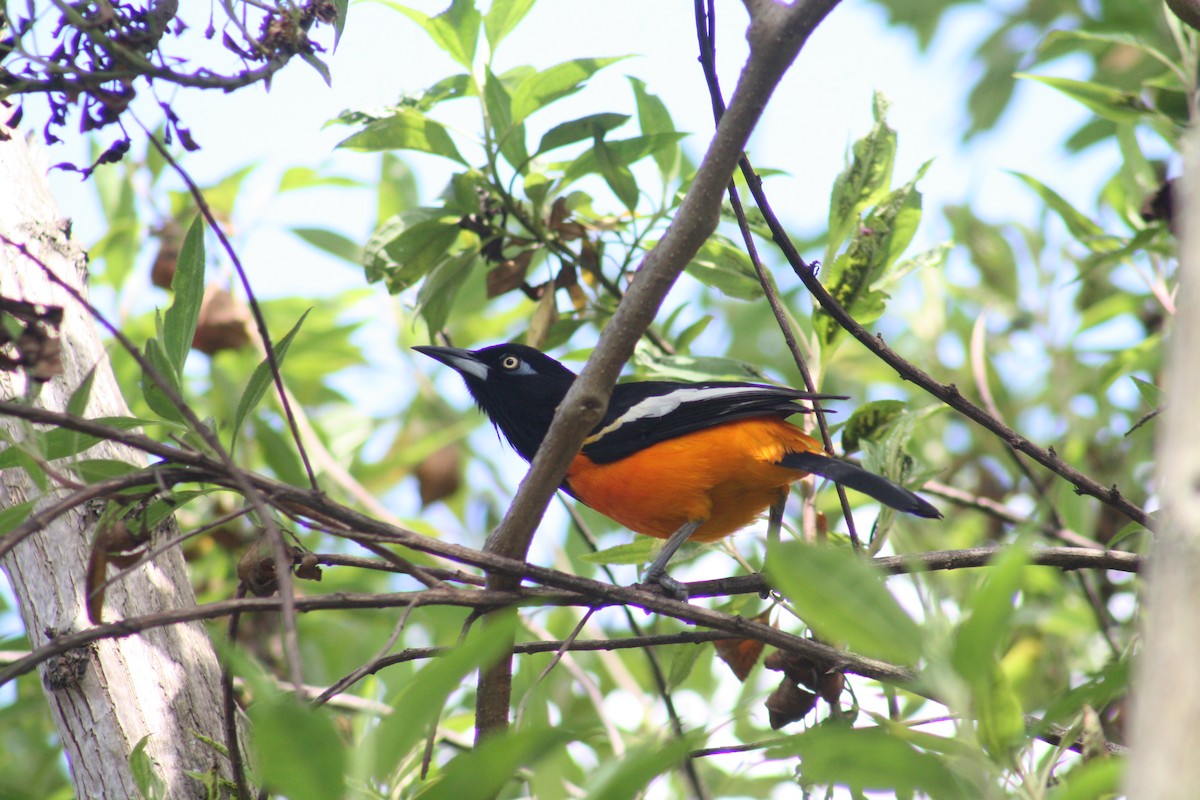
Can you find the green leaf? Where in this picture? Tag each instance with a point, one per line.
(155, 397)
(1098, 778)
(616, 174)
(406, 129)
(1105, 101)
(578, 130)
(869, 421)
(407, 246)
(77, 403)
(332, 242)
(987, 630)
(1106, 39)
(844, 599)
(1153, 395)
(834, 753)
(855, 278)
(727, 268)
(320, 66)
(142, 767)
(260, 379)
(437, 293)
(623, 151)
(545, 86)
(502, 18)
(297, 178)
(653, 118)
(342, 8)
(509, 133)
(283, 728)
(420, 703)
(60, 442)
(455, 30)
(1085, 231)
(627, 777)
(999, 718)
(14, 515)
(694, 368)
(481, 773)
(864, 179)
(179, 322)
(639, 551)
(94, 470)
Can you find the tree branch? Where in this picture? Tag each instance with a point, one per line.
(775, 39)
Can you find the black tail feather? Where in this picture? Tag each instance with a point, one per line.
(855, 477)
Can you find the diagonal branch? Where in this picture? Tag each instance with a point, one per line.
(776, 35)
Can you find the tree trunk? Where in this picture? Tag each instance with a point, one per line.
(1167, 683)
(162, 684)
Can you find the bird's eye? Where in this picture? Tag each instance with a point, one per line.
(510, 362)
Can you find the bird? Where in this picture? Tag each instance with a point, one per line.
(673, 460)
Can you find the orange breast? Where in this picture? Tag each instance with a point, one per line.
(726, 475)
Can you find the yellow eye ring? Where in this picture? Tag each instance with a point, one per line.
(510, 362)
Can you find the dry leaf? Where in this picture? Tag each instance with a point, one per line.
(788, 703)
(224, 322)
(742, 654)
(439, 474)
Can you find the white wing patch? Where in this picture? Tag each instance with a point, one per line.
(663, 404)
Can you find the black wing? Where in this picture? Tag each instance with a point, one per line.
(645, 413)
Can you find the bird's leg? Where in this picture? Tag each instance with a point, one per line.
(658, 569)
(775, 520)
(774, 527)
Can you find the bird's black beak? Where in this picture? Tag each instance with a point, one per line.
(462, 361)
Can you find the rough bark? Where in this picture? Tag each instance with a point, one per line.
(1167, 684)
(162, 684)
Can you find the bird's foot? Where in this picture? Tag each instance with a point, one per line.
(674, 589)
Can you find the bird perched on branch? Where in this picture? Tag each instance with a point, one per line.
(677, 461)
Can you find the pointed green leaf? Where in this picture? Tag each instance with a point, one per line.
(332, 242)
(509, 133)
(441, 285)
(653, 118)
(151, 391)
(864, 180)
(627, 777)
(502, 18)
(578, 130)
(77, 404)
(545, 86)
(455, 30)
(1105, 101)
(727, 268)
(844, 599)
(983, 635)
(1099, 778)
(481, 773)
(420, 703)
(260, 379)
(16, 514)
(284, 727)
(834, 753)
(869, 420)
(640, 551)
(407, 246)
(94, 470)
(406, 129)
(60, 442)
(622, 151)
(179, 322)
(320, 66)
(617, 175)
(1087, 232)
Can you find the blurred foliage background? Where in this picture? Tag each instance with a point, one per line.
(1052, 321)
